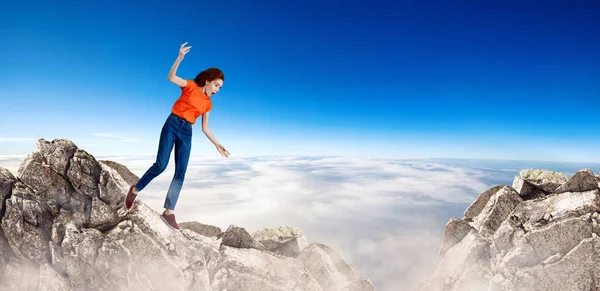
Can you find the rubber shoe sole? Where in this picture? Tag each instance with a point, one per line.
(167, 219)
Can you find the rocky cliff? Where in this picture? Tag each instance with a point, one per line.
(541, 233)
(64, 227)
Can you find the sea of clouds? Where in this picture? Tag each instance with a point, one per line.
(384, 215)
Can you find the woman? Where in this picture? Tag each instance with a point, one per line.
(177, 131)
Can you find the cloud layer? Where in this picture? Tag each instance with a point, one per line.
(385, 215)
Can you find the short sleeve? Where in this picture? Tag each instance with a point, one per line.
(189, 86)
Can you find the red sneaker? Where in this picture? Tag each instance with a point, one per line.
(170, 220)
(130, 198)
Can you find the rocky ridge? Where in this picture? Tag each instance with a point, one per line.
(64, 227)
(541, 233)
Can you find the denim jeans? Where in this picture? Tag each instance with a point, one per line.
(175, 132)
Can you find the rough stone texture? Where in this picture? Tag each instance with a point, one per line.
(498, 207)
(583, 180)
(238, 237)
(7, 181)
(64, 227)
(480, 202)
(200, 228)
(321, 267)
(360, 284)
(284, 240)
(292, 247)
(338, 261)
(272, 238)
(526, 189)
(547, 181)
(456, 229)
(525, 242)
(50, 280)
(129, 177)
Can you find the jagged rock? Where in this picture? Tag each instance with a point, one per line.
(26, 225)
(50, 280)
(343, 267)
(581, 181)
(522, 186)
(453, 266)
(321, 267)
(498, 207)
(544, 244)
(531, 214)
(547, 181)
(456, 229)
(527, 190)
(535, 194)
(5, 255)
(238, 237)
(272, 238)
(80, 187)
(250, 273)
(284, 240)
(293, 247)
(481, 201)
(129, 177)
(200, 228)
(7, 181)
(57, 153)
(64, 227)
(37, 178)
(360, 284)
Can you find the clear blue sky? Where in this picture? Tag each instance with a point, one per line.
(466, 79)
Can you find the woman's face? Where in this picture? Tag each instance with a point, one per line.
(213, 87)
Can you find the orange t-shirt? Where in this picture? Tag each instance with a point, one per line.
(192, 102)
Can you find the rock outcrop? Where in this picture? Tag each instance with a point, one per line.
(64, 227)
(541, 233)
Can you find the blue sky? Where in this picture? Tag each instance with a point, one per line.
(501, 79)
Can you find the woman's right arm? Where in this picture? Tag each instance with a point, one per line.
(173, 73)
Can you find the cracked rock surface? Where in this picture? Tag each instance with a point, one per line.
(64, 227)
(541, 233)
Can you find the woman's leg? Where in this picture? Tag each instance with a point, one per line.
(165, 146)
(183, 147)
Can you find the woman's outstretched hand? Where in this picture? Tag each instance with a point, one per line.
(183, 50)
(222, 150)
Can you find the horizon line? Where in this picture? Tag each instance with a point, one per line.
(204, 156)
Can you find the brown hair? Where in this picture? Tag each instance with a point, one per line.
(209, 74)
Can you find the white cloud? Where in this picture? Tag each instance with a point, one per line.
(11, 162)
(385, 216)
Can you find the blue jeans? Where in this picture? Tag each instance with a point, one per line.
(175, 132)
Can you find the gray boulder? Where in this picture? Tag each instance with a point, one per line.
(582, 181)
(524, 241)
(202, 229)
(238, 237)
(547, 181)
(285, 240)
